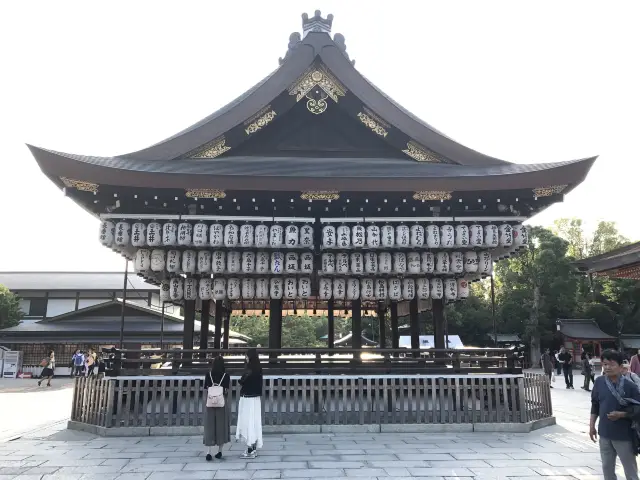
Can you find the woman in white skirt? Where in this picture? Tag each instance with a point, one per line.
(249, 427)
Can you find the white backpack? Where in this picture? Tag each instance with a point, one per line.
(215, 394)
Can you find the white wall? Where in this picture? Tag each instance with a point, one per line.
(84, 303)
(58, 306)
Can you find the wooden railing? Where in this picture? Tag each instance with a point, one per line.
(291, 361)
(319, 400)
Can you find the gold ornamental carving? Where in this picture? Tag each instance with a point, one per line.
(259, 121)
(213, 149)
(320, 195)
(432, 195)
(420, 154)
(372, 124)
(549, 191)
(317, 84)
(80, 185)
(205, 193)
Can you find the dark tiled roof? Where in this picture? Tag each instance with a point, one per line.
(631, 341)
(586, 329)
(76, 281)
(506, 337)
(618, 258)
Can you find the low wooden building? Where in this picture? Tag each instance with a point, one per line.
(583, 333)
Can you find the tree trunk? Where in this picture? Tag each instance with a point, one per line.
(534, 334)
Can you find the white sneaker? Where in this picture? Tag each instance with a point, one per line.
(246, 454)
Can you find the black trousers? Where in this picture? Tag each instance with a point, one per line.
(568, 375)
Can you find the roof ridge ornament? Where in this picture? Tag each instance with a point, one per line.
(316, 23)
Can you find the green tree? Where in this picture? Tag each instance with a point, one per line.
(606, 238)
(571, 230)
(10, 313)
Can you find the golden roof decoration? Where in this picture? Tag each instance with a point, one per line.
(260, 120)
(317, 76)
(420, 153)
(79, 185)
(549, 191)
(212, 149)
(432, 195)
(320, 195)
(205, 193)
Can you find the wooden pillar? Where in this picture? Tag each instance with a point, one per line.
(395, 334)
(381, 324)
(189, 319)
(204, 328)
(414, 325)
(356, 323)
(437, 309)
(227, 321)
(217, 334)
(331, 326)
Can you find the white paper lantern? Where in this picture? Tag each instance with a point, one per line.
(190, 289)
(417, 236)
(505, 233)
(371, 262)
(275, 236)
(306, 262)
(442, 262)
(165, 291)
(157, 260)
(107, 233)
(291, 262)
(367, 289)
(457, 262)
(353, 289)
(395, 289)
(463, 288)
(342, 263)
(123, 235)
(462, 236)
(276, 288)
(263, 264)
(304, 287)
(432, 234)
(423, 288)
(373, 236)
(436, 288)
(176, 291)
(476, 236)
(325, 289)
(277, 262)
(143, 260)
(139, 234)
(216, 235)
(413, 262)
(169, 234)
(154, 234)
(248, 262)
(399, 262)
(329, 236)
(384, 262)
(491, 238)
(343, 234)
(387, 234)
(451, 289)
(205, 288)
(380, 285)
(248, 288)
(328, 263)
(218, 262)
(262, 236)
(428, 262)
(173, 261)
(447, 236)
(339, 288)
(520, 236)
(357, 263)
(403, 238)
(485, 262)
(233, 288)
(306, 236)
(234, 264)
(219, 289)
(246, 235)
(291, 236)
(189, 261)
(200, 235)
(204, 262)
(358, 236)
(262, 288)
(185, 232)
(231, 237)
(408, 288)
(290, 288)
(470, 262)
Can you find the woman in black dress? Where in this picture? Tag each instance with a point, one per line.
(217, 425)
(49, 367)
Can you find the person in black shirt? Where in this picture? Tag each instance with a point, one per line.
(217, 424)
(249, 427)
(566, 359)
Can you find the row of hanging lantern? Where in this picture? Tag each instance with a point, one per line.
(219, 261)
(394, 289)
(289, 288)
(155, 234)
(359, 263)
(431, 236)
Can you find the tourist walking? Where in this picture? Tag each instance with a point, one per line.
(217, 424)
(547, 364)
(566, 359)
(635, 363)
(49, 365)
(612, 393)
(629, 374)
(558, 363)
(586, 371)
(78, 363)
(249, 428)
(90, 362)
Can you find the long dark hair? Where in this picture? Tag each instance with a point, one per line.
(218, 368)
(253, 361)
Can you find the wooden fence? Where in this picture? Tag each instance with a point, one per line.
(319, 400)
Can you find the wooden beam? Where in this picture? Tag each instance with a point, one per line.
(204, 327)
(414, 325)
(189, 319)
(381, 324)
(356, 323)
(217, 334)
(395, 334)
(331, 327)
(437, 307)
(227, 321)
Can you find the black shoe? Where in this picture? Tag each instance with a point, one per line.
(219, 455)
(209, 457)
(572, 387)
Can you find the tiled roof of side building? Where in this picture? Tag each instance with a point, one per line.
(76, 281)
